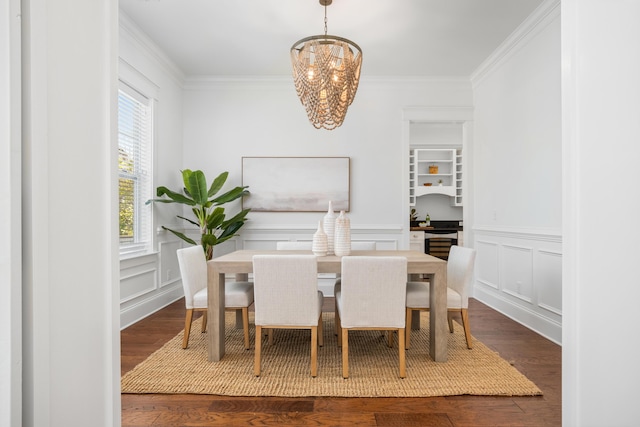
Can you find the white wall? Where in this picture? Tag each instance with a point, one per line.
(10, 203)
(150, 282)
(71, 348)
(228, 119)
(225, 120)
(517, 179)
(601, 131)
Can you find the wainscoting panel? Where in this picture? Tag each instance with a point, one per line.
(169, 268)
(519, 273)
(518, 268)
(149, 283)
(487, 263)
(138, 276)
(549, 281)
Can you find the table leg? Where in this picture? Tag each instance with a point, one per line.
(415, 315)
(438, 337)
(415, 320)
(240, 277)
(215, 301)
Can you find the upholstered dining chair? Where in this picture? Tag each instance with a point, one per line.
(372, 297)
(356, 246)
(459, 274)
(287, 297)
(193, 269)
(294, 246)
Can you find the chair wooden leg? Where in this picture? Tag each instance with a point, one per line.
(187, 327)
(314, 351)
(401, 354)
(270, 333)
(408, 329)
(256, 362)
(345, 353)
(204, 322)
(245, 327)
(450, 320)
(465, 325)
(335, 310)
(390, 338)
(338, 329)
(320, 331)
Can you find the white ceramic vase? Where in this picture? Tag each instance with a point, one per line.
(342, 240)
(329, 222)
(319, 244)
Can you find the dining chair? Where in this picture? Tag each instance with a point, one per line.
(193, 269)
(459, 274)
(372, 298)
(287, 297)
(356, 246)
(294, 246)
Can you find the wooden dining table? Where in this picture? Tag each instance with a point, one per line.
(241, 262)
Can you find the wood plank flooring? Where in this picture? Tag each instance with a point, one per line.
(536, 357)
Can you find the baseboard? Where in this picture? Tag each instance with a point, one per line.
(546, 327)
(156, 301)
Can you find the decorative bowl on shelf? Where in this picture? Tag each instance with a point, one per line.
(427, 184)
(422, 224)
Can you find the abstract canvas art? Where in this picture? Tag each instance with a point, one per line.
(296, 184)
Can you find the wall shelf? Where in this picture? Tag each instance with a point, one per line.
(449, 170)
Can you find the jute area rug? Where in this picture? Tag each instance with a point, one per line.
(373, 367)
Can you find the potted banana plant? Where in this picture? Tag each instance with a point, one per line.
(209, 215)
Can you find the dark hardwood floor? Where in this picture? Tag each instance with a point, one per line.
(536, 357)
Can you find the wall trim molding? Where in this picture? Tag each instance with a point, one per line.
(146, 307)
(515, 276)
(130, 30)
(358, 228)
(544, 326)
(534, 24)
(546, 234)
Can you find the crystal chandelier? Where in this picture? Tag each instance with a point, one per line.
(326, 72)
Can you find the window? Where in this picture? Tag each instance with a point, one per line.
(135, 115)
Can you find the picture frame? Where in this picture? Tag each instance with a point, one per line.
(296, 184)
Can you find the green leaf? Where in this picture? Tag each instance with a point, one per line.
(209, 240)
(231, 195)
(217, 183)
(215, 218)
(189, 220)
(185, 177)
(175, 197)
(240, 216)
(230, 230)
(198, 187)
(180, 235)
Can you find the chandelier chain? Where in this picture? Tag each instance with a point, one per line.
(325, 19)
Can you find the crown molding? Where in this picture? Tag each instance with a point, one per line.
(546, 13)
(134, 34)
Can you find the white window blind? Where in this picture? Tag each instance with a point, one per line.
(134, 163)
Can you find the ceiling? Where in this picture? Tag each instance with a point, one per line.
(398, 37)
